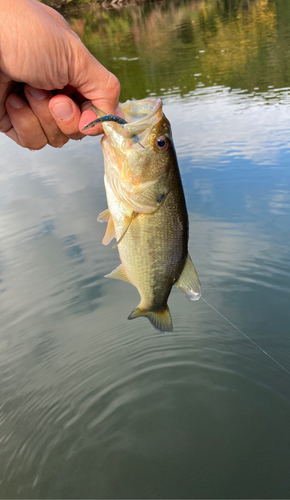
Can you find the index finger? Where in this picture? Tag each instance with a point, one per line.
(95, 83)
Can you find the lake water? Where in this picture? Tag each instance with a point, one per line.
(93, 405)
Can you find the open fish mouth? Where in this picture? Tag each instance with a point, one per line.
(139, 116)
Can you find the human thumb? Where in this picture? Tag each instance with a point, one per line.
(5, 87)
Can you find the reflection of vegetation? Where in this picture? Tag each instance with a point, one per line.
(64, 4)
(175, 45)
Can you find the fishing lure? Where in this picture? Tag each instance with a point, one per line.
(111, 118)
(107, 118)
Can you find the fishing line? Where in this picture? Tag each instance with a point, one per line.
(121, 121)
(244, 334)
(247, 337)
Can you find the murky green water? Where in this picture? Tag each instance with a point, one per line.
(95, 406)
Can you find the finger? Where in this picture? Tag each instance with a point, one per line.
(53, 13)
(26, 129)
(89, 115)
(5, 123)
(93, 80)
(38, 100)
(5, 88)
(108, 98)
(66, 115)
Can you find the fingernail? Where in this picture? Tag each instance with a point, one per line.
(38, 94)
(15, 102)
(62, 110)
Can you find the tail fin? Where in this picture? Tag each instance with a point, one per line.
(161, 320)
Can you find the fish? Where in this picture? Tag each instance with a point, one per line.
(147, 212)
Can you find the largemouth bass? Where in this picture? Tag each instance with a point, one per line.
(146, 209)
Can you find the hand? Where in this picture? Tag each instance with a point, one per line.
(39, 56)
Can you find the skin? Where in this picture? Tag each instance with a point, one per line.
(48, 79)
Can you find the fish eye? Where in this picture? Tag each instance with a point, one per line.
(161, 143)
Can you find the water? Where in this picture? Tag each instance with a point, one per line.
(93, 405)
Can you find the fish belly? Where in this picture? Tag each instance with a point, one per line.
(153, 250)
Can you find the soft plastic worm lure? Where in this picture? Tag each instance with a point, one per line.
(110, 118)
(107, 118)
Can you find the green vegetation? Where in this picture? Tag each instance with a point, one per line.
(168, 46)
(63, 4)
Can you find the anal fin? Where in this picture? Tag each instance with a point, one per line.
(118, 274)
(188, 282)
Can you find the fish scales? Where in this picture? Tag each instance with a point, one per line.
(153, 259)
(146, 210)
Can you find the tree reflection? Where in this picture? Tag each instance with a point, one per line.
(174, 47)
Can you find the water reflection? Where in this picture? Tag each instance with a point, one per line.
(95, 406)
(241, 125)
(206, 43)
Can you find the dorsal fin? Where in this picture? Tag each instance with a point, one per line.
(118, 274)
(161, 320)
(188, 282)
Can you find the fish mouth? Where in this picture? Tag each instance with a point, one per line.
(138, 117)
(141, 116)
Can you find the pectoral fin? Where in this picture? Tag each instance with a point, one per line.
(104, 216)
(110, 231)
(118, 274)
(188, 283)
(125, 230)
(161, 320)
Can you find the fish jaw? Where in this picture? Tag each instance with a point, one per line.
(141, 117)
